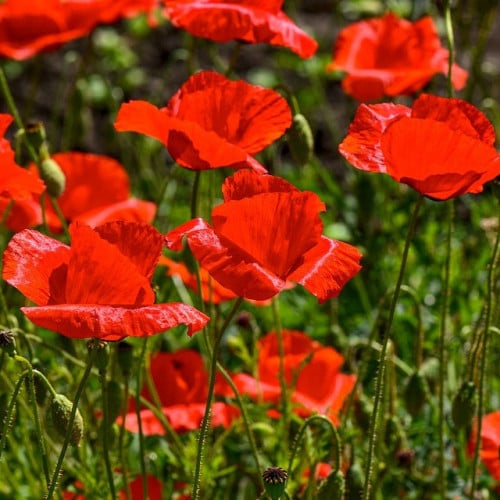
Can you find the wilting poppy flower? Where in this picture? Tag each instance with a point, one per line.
(253, 21)
(28, 27)
(490, 443)
(311, 370)
(182, 385)
(99, 287)
(266, 235)
(212, 122)
(387, 56)
(440, 147)
(97, 191)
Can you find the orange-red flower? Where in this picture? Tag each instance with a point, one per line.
(99, 287)
(28, 27)
(388, 56)
(490, 443)
(212, 122)
(311, 370)
(266, 235)
(440, 147)
(252, 21)
(182, 385)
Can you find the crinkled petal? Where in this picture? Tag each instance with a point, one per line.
(437, 161)
(248, 21)
(174, 238)
(327, 267)
(114, 322)
(37, 265)
(99, 273)
(361, 147)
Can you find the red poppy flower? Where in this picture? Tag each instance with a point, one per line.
(440, 147)
(490, 443)
(183, 397)
(313, 372)
(212, 122)
(391, 56)
(253, 21)
(28, 27)
(99, 287)
(266, 235)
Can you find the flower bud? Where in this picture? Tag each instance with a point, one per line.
(53, 177)
(35, 133)
(124, 357)
(8, 342)
(354, 480)
(333, 487)
(101, 353)
(275, 479)
(58, 416)
(300, 139)
(464, 405)
(415, 394)
(115, 400)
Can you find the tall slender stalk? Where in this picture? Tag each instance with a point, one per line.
(379, 387)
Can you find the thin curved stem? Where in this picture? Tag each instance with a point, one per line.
(105, 431)
(379, 387)
(142, 447)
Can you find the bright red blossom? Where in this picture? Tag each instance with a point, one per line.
(387, 56)
(440, 147)
(311, 370)
(28, 27)
(181, 382)
(253, 21)
(266, 235)
(212, 122)
(99, 287)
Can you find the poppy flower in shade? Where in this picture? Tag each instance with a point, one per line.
(387, 56)
(183, 397)
(28, 27)
(99, 287)
(212, 122)
(311, 370)
(253, 21)
(490, 443)
(266, 235)
(440, 147)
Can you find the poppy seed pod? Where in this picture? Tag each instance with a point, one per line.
(53, 177)
(8, 342)
(464, 405)
(333, 487)
(300, 139)
(58, 417)
(275, 479)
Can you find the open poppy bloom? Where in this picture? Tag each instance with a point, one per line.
(182, 385)
(312, 371)
(490, 443)
(99, 287)
(212, 122)
(253, 21)
(97, 191)
(388, 56)
(440, 147)
(266, 235)
(28, 27)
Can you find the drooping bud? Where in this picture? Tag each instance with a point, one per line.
(53, 177)
(300, 139)
(8, 342)
(101, 353)
(333, 487)
(464, 405)
(275, 479)
(415, 393)
(58, 417)
(124, 357)
(354, 480)
(429, 369)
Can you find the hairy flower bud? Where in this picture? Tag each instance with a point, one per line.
(53, 177)
(333, 487)
(464, 405)
(354, 480)
(124, 357)
(58, 416)
(300, 139)
(415, 393)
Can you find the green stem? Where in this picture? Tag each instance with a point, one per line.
(121, 437)
(142, 447)
(105, 431)
(205, 423)
(195, 195)
(379, 387)
(482, 367)
(79, 391)
(442, 351)
(60, 216)
(451, 46)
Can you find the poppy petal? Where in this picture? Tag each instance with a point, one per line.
(16, 182)
(361, 147)
(113, 323)
(99, 273)
(174, 238)
(327, 267)
(36, 265)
